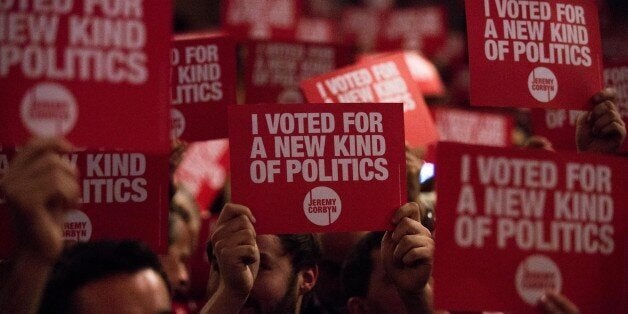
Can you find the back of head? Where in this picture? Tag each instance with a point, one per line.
(357, 269)
(89, 262)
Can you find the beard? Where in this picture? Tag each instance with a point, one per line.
(287, 304)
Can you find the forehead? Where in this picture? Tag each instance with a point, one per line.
(141, 292)
(377, 272)
(270, 245)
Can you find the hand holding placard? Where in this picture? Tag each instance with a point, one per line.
(40, 186)
(407, 252)
(235, 251)
(602, 130)
(556, 303)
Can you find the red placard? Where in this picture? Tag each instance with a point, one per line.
(262, 19)
(423, 71)
(418, 28)
(203, 85)
(384, 80)
(318, 167)
(525, 222)
(203, 170)
(534, 54)
(477, 128)
(616, 76)
(124, 196)
(316, 30)
(558, 126)
(361, 26)
(276, 68)
(87, 70)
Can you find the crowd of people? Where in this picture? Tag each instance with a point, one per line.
(361, 272)
(387, 272)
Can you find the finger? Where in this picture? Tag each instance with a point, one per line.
(615, 127)
(50, 181)
(48, 163)
(605, 119)
(547, 306)
(241, 237)
(410, 242)
(65, 191)
(242, 254)
(583, 118)
(233, 210)
(602, 108)
(408, 226)
(539, 142)
(232, 226)
(562, 303)
(418, 254)
(38, 146)
(410, 210)
(603, 95)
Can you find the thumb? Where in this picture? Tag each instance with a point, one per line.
(388, 248)
(583, 119)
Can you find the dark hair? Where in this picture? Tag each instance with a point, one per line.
(88, 262)
(305, 249)
(357, 269)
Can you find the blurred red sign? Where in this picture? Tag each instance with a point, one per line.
(203, 85)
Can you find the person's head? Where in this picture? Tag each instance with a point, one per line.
(366, 285)
(107, 276)
(176, 262)
(288, 271)
(335, 247)
(185, 205)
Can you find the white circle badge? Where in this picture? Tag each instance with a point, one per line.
(177, 123)
(49, 109)
(543, 84)
(322, 206)
(77, 227)
(535, 275)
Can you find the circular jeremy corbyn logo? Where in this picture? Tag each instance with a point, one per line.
(543, 84)
(177, 123)
(77, 227)
(535, 275)
(49, 109)
(322, 206)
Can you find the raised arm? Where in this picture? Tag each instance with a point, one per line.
(39, 187)
(407, 255)
(235, 260)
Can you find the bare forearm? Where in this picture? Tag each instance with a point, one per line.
(419, 302)
(25, 285)
(224, 302)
